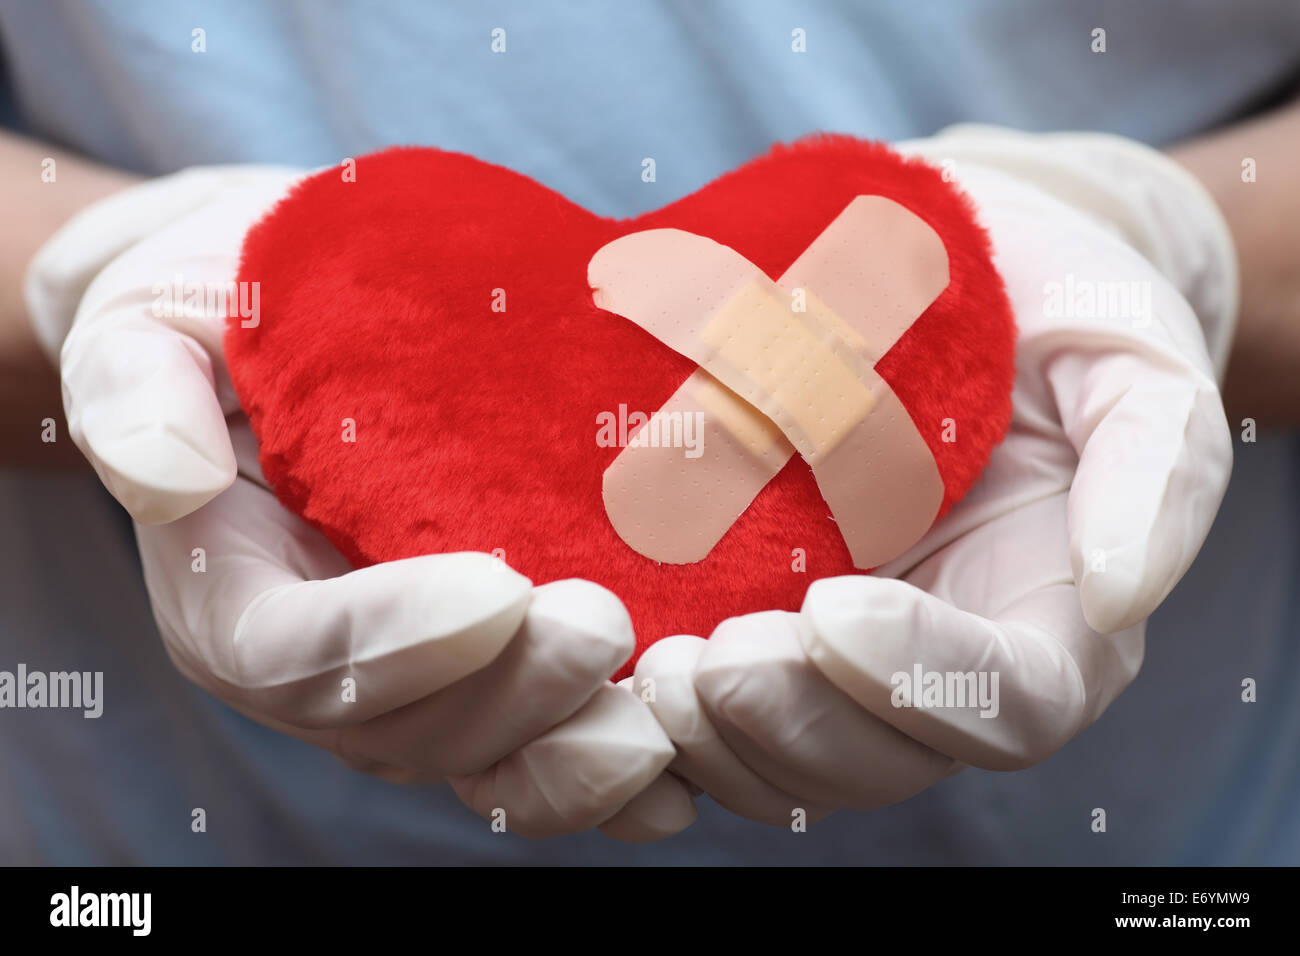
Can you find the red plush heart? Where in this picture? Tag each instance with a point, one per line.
(475, 429)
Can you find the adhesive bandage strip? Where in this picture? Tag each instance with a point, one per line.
(784, 367)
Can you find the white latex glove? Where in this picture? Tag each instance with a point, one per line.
(1088, 514)
(442, 666)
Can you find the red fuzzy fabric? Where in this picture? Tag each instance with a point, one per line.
(476, 430)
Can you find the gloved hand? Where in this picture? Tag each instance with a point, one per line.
(439, 666)
(1088, 514)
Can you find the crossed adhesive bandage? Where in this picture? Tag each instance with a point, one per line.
(775, 379)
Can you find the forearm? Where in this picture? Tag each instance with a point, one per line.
(1263, 380)
(35, 208)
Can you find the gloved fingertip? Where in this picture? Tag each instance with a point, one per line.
(660, 810)
(736, 654)
(850, 601)
(1114, 599)
(587, 608)
(159, 477)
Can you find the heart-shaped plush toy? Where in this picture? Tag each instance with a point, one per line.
(430, 372)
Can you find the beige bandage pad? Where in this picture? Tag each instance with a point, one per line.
(775, 379)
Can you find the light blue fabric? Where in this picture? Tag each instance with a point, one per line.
(1186, 771)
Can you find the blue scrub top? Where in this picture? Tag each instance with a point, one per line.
(583, 92)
